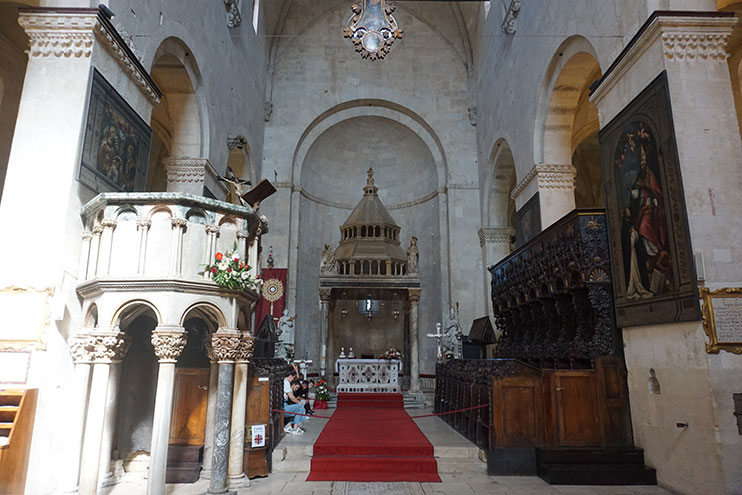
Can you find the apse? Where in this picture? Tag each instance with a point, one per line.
(333, 175)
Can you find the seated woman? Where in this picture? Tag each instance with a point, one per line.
(292, 404)
(304, 394)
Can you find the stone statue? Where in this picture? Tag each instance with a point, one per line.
(453, 332)
(285, 327)
(329, 264)
(413, 255)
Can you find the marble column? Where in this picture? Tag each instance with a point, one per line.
(414, 297)
(212, 234)
(168, 342)
(324, 297)
(237, 476)
(179, 226)
(495, 244)
(106, 344)
(75, 424)
(210, 417)
(225, 344)
(109, 426)
(143, 226)
(106, 246)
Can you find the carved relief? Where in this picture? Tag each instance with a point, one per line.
(169, 342)
(225, 344)
(695, 46)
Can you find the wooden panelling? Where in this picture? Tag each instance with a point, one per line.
(517, 411)
(188, 425)
(612, 376)
(258, 412)
(14, 455)
(578, 410)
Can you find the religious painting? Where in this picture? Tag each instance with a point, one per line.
(527, 221)
(116, 147)
(654, 277)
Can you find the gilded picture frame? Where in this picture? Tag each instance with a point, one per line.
(654, 278)
(717, 343)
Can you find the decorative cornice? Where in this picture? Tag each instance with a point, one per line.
(398, 206)
(549, 177)
(413, 295)
(495, 235)
(70, 33)
(185, 169)
(97, 286)
(59, 34)
(686, 35)
(169, 342)
(225, 344)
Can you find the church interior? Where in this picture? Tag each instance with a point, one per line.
(496, 245)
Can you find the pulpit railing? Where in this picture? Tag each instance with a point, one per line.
(552, 297)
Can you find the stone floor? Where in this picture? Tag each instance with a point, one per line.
(461, 473)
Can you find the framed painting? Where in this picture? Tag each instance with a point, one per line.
(115, 153)
(654, 275)
(527, 221)
(722, 319)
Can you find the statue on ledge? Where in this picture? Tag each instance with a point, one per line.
(413, 256)
(453, 332)
(329, 265)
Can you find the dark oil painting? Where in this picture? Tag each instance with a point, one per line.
(117, 141)
(651, 253)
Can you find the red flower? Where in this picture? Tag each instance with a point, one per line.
(219, 256)
(213, 270)
(229, 269)
(248, 267)
(242, 265)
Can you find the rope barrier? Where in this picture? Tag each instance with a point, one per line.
(388, 419)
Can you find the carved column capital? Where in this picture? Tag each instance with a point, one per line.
(243, 234)
(180, 223)
(414, 295)
(324, 295)
(245, 348)
(97, 230)
(212, 230)
(81, 346)
(87, 235)
(102, 345)
(144, 224)
(225, 344)
(109, 223)
(60, 35)
(495, 235)
(169, 341)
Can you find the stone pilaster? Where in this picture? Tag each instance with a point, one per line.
(413, 296)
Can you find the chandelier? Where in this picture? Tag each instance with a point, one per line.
(372, 28)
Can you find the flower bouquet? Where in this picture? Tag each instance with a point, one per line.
(323, 395)
(392, 353)
(229, 271)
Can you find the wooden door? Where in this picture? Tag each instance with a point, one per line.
(578, 411)
(188, 423)
(257, 413)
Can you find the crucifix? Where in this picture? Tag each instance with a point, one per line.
(303, 365)
(438, 336)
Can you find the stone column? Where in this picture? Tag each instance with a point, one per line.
(495, 243)
(237, 476)
(555, 184)
(109, 426)
(82, 267)
(324, 297)
(225, 344)
(168, 342)
(210, 417)
(414, 297)
(176, 250)
(106, 245)
(94, 251)
(106, 344)
(143, 226)
(75, 424)
(212, 234)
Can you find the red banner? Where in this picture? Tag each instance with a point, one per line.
(272, 295)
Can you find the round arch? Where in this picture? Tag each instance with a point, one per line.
(572, 64)
(207, 311)
(130, 310)
(497, 205)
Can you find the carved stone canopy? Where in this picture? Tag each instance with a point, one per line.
(369, 240)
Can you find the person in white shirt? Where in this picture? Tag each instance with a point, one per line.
(291, 404)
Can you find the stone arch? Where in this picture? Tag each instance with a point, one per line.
(567, 122)
(207, 311)
(132, 309)
(376, 108)
(91, 316)
(180, 120)
(499, 207)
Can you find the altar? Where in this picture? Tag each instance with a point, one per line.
(368, 375)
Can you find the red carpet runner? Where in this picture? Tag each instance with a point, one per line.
(371, 438)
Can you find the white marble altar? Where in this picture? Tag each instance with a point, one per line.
(368, 375)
